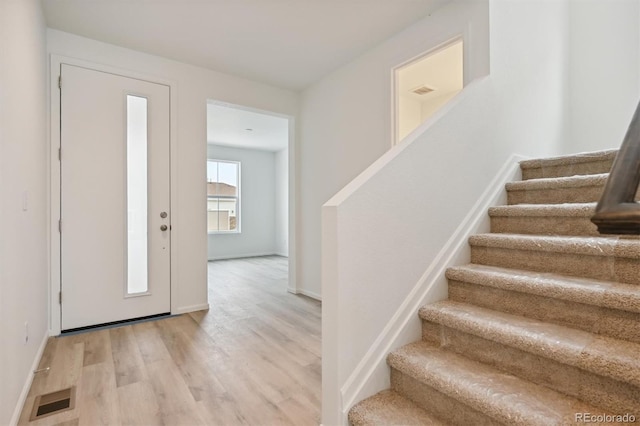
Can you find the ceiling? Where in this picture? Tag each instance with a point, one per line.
(246, 129)
(286, 43)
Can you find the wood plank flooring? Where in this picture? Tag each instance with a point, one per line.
(252, 359)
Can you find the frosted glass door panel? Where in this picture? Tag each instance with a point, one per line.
(137, 253)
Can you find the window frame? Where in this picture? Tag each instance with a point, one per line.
(237, 229)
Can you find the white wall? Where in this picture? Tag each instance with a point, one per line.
(412, 113)
(257, 205)
(605, 72)
(194, 86)
(23, 172)
(369, 273)
(427, 108)
(282, 202)
(346, 122)
(409, 115)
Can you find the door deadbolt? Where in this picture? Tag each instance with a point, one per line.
(163, 215)
(163, 227)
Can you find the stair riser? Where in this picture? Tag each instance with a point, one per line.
(436, 403)
(608, 268)
(609, 394)
(595, 319)
(543, 225)
(590, 168)
(584, 194)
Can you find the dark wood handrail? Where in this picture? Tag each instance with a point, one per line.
(617, 212)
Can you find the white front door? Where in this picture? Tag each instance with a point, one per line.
(115, 227)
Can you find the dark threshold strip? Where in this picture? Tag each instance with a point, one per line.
(115, 323)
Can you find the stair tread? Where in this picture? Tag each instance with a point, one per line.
(544, 210)
(607, 294)
(583, 157)
(556, 197)
(389, 407)
(628, 247)
(606, 356)
(499, 395)
(576, 181)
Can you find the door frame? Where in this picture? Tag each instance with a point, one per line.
(55, 190)
(292, 172)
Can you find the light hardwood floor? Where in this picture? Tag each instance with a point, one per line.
(253, 358)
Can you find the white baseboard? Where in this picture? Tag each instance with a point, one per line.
(371, 374)
(27, 384)
(244, 255)
(192, 308)
(308, 293)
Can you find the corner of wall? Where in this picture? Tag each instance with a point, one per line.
(331, 397)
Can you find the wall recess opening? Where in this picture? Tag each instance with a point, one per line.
(53, 403)
(424, 85)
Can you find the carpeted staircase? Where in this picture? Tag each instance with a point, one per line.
(541, 328)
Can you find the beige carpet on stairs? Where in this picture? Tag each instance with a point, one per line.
(541, 328)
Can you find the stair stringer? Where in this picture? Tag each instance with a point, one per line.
(372, 373)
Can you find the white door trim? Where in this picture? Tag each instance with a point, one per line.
(54, 174)
(292, 285)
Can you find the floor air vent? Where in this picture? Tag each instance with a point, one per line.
(53, 403)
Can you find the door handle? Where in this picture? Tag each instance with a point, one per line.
(163, 227)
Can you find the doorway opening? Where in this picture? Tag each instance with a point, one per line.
(425, 84)
(248, 184)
